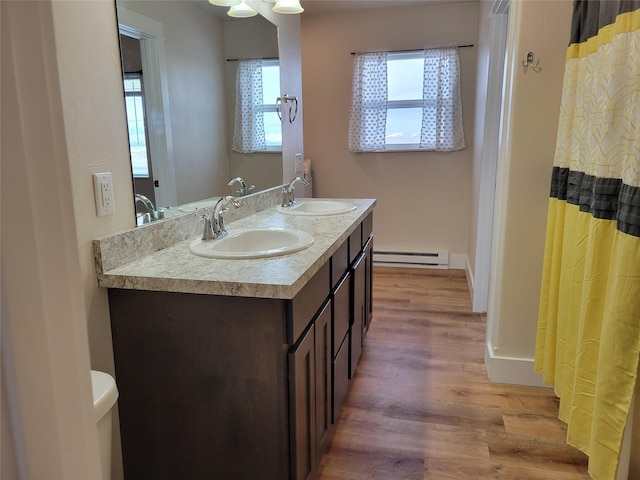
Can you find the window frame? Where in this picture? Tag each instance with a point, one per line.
(439, 111)
(402, 104)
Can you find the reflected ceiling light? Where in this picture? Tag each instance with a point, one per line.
(288, 6)
(242, 10)
(225, 3)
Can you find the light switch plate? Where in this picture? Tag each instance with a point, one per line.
(299, 163)
(103, 190)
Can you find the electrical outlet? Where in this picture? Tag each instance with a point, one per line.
(103, 190)
(299, 163)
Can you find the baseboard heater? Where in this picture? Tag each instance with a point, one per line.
(412, 259)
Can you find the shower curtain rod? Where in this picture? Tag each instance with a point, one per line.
(264, 58)
(419, 49)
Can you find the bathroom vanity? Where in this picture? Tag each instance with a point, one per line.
(236, 369)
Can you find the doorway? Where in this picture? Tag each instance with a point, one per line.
(141, 165)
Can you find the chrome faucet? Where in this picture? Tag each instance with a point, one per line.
(148, 204)
(216, 220)
(243, 190)
(288, 199)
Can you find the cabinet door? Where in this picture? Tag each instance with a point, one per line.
(323, 378)
(302, 386)
(358, 305)
(340, 379)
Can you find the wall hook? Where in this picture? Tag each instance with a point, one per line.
(530, 63)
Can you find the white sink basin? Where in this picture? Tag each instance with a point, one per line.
(253, 243)
(312, 206)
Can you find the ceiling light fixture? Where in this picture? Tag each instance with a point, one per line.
(225, 3)
(242, 10)
(287, 6)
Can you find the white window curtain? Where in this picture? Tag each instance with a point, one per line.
(441, 103)
(442, 106)
(248, 133)
(368, 121)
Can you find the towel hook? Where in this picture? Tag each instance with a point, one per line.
(530, 63)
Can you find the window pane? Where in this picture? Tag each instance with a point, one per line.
(270, 83)
(132, 85)
(403, 126)
(272, 129)
(270, 93)
(136, 127)
(404, 78)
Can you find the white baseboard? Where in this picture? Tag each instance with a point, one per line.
(470, 280)
(512, 370)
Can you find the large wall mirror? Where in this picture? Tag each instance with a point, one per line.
(179, 62)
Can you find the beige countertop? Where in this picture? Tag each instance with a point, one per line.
(175, 269)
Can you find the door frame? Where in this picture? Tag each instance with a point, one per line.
(151, 35)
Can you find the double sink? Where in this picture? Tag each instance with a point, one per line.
(270, 242)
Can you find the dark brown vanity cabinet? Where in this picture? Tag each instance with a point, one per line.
(231, 387)
(203, 385)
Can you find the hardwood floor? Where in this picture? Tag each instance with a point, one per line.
(421, 407)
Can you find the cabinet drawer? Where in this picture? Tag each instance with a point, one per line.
(367, 229)
(355, 243)
(302, 309)
(341, 312)
(340, 379)
(339, 263)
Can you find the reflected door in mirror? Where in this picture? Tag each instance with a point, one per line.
(136, 120)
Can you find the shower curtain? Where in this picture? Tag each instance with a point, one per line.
(588, 336)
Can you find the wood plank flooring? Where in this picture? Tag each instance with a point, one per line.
(421, 407)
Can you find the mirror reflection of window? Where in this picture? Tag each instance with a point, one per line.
(257, 126)
(270, 92)
(136, 124)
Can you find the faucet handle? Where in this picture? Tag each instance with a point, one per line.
(207, 234)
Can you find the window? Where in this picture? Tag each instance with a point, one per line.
(406, 101)
(134, 104)
(257, 127)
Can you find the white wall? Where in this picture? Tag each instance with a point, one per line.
(423, 198)
(482, 47)
(45, 258)
(531, 111)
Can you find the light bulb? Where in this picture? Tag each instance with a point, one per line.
(242, 10)
(288, 6)
(225, 3)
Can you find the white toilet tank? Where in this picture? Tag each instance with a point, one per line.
(105, 395)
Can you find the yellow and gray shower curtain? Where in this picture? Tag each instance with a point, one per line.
(588, 336)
